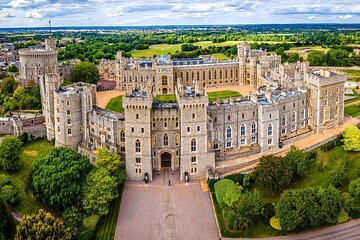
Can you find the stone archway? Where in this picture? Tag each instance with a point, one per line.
(165, 159)
(164, 91)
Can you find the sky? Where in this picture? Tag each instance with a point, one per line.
(36, 13)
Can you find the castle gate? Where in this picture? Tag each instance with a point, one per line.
(166, 159)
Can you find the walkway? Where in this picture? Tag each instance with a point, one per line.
(345, 231)
(161, 212)
(303, 143)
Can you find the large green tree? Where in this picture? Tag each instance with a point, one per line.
(8, 85)
(58, 177)
(108, 160)
(351, 138)
(316, 58)
(85, 72)
(42, 226)
(10, 150)
(297, 160)
(308, 208)
(99, 190)
(354, 190)
(227, 192)
(273, 174)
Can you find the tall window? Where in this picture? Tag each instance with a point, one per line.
(137, 146)
(270, 130)
(216, 134)
(122, 136)
(69, 131)
(242, 130)
(177, 140)
(193, 145)
(283, 120)
(228, 132)
(164, 80)
(166, 139)
(293, 117)
(253, 127)
(303, 113)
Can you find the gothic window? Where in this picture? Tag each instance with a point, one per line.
(69, 131)
(293, 117)
(198, 75)
(68, 112)
(187, 76)
(220, 74)
(253, 127)
(164, 80)
(122, 136)
(209, 74)
(137, 146)
(228, 132)
(303, 113)
(283, 120)
(203, 73)
(166, 139)
(231, 73)
(193, 145)
(270, 130)
(242, 130)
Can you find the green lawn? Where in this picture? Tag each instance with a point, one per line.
(166, 98)
(21, 178)
(105, 230)
(115, 104)
(314, 177)
(220, 56)
(223, 94)
(353, 110)
(157, 49)
(351, 72)
(354, 99)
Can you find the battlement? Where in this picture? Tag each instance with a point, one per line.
(324, 77)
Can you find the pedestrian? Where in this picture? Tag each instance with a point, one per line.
(169, 182)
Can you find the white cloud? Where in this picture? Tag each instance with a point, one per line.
(347, 16)
(33, 14)
(313, 17)
(19, 3)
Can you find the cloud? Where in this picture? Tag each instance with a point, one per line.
(313, 17)
(33, 14)
(347, 16)
(19, 3)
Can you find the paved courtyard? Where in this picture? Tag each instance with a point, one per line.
(161, 212)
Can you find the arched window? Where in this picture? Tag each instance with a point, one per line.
(137, 146)
(293, 117)
(68, 112)
(283, 120)
(228, 132)
(166, 139)
(69, 131)
(122, 136)
(164, 80)
(253, 127)
(177, 140)
(193, 145)
(270, 130)
(216, 134)
(242, 130)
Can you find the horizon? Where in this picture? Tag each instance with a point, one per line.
(36, 13)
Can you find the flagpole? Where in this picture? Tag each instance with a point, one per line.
(50, 26)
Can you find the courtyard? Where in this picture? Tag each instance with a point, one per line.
(159, 211)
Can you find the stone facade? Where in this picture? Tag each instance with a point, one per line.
(192, 134)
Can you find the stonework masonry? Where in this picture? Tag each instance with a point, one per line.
(191, 134)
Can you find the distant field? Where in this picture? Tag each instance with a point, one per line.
(166, 98)
(351, 72)
(223, 94)
(220, 56)
(115, 104)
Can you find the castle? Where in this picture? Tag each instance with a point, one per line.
(190, 134)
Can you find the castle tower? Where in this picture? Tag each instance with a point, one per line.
(137, 105)
(72, 106)
(242, 49)
(50, 44)
(164, 82)
(194, 147)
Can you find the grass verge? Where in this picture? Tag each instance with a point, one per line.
(166, 98)
(223, 94)
(115, 104)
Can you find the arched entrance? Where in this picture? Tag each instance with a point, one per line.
(164, 91)
(165, 159)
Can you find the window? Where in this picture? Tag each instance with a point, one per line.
(337, 99)
(137, 116)
(164, 80)
(177, 140)
(216, 146)
(177, 124)
(253, 139)
(228, 132)
(193, 159)
(138, 160)
(216, 134)
(293, 128)
(68, 112)
(166, 139)
(325, 102)
(69, 131)
(154, 125)
(253, 127)
(215, 119)
(283, 120)
(270, 130)
(68, 121)
(242, 141)
(243, 115)
(193, 115)
(242, 130)
(293, 117)
(193, 145)
(68, 103)
(270, 115)
(188, 129)
(198, 128)
(337, 89)
(303, 114)
(132, 130)
(303, 124)
(270, 141)
(142, 130)
(229, 117)
(165, 124)
(283, 131)
(58, 129)
(122, 136)
(228, 144)
(193, 170)
(137, 146)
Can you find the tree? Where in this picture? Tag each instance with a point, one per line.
(8, 85)
(354, 191)
(227, 192)
(9, 194)
(351, 139)
(316, 58)
(99, 190)
(85, 72)
(7, 224)
(58, 177)
(298, 161)
(108, 160)
(10, 150)
(273, 174)
(308, 208)
(338, 176)
(42, 226)
(12, 68)
(249, 207)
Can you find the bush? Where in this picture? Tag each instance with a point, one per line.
(10, 150)
(331, 144)
(73, 216)
(227, 193)
(9, 194)
(297, 160)
(236, 178)
(91, 221)
(275, 223)
(268, 211)
(247, 180)
(338, 176)
(4, 180)
(343, 216)
(352, 139)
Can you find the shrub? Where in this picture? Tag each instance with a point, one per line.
(297, 160)
(91, 221)
(226, 192)
(338, 176)
(331, 144)
(268, 211)
(352, 139)
(73, 216)
(236, 178)
(10, 150)
(9, 194)
(343, 216)
(248, 178)
(275, 223)
(4, 180)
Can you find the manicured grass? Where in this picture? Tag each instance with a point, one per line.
(351, 72)
(115, 104)
(354, 99)
(353, 110)
(166, 98)
(21, 178)
(157, 49)
(105, 230)
(223, 94)
(220, 56)
(314, 177)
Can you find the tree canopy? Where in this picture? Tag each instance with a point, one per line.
(10, 150)
(108, 160)
(297, 160)
(85, 72)
(227, 192)
(58, 177)
(351, 138)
